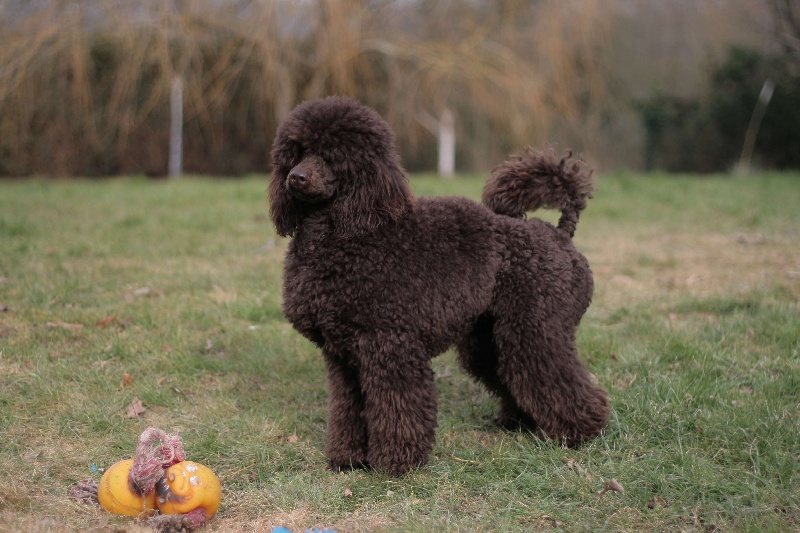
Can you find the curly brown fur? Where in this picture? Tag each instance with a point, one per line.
(382, 282)
(540, 179)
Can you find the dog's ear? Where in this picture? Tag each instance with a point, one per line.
(286, 213)
(375, 191)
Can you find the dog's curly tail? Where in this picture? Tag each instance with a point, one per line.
(540, 178)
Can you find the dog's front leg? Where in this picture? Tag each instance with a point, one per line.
(399, 409)
(346, 439)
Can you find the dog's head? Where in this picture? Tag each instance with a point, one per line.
(336, 155)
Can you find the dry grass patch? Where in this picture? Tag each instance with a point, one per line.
(691, 264)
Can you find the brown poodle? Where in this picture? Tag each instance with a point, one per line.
(382, 282)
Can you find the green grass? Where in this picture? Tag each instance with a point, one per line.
(694, 332)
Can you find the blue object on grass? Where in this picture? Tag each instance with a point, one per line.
(280, 529)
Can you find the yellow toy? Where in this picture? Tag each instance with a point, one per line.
(188, 486)
(158, 479)
(116, 495)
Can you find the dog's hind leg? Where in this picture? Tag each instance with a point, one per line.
(346, 439)
(538, 363)
(477, 354)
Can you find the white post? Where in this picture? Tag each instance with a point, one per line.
(176, 128)
(755, 122)
(447, 144)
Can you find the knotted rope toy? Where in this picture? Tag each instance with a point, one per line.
(158, 479)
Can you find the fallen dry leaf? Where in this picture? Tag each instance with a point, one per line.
(127, 380)
(106, 321)
(31, 455)
(64, 325)
(348, 493)
(614, 485)
(259, 385)
(142, 292)
(573, 464)
(135, 409)
(657, 501)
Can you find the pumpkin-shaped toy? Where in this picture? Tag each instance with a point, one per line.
(187, 486)
(117, 496)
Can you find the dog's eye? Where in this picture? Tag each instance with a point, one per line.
(293, 154)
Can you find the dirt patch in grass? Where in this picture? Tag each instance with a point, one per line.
(697, 265)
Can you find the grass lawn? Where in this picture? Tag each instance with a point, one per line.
(170, 293)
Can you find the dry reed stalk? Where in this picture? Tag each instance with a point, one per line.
(84, 88)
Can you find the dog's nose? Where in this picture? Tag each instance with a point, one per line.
(298, 176)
